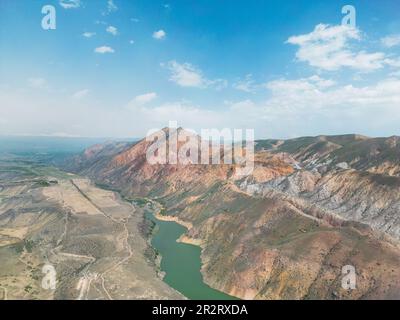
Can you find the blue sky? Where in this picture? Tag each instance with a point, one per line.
(120, 68)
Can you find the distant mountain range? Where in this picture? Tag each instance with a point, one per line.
(311, 206)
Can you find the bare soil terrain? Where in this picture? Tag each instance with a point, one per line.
(89, 235)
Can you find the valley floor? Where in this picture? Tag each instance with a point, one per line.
(94, 240)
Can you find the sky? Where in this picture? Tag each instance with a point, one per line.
(119, 68)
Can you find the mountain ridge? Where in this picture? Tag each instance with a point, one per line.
(303, 192)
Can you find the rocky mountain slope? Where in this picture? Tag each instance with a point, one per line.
(311, 206)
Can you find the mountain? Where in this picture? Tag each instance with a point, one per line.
(284, 231)
(379, 155)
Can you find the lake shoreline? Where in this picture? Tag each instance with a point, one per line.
(206, 291)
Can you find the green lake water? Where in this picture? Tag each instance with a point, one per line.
(181, 262)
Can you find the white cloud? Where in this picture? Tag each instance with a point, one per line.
(111, 7)
(312, 106)
(80, 94)
(218, 84)
(159, 35)
(37, 83)
(305, 106)
(184, 113)
(395, 74)
(104, 49)
(322, 83)
(312, 83)
(113, 30)
(327, 47)
(144, 98)
(131, 41)
(393, 62)
(246, 84)
(70, 4)
(312, 95)
(89, 34)
(391, 41)
(296, 107)
(186, 75)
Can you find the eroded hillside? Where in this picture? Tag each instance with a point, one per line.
(311, 206)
